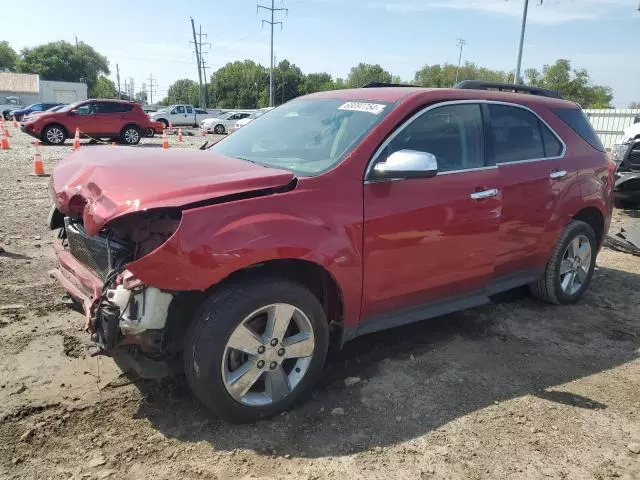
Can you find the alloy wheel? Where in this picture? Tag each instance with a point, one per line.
(575, 265)
(131, 136)
(55, 135)
(268, 354)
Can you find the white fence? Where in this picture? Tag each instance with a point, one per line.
(610, 123)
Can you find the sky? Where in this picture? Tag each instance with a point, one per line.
(153, 37)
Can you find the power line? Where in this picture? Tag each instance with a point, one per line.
(461, 43)
(272, 23)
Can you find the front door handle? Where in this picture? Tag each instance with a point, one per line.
(484, 194)
(558, 174)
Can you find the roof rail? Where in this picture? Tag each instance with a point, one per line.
(382, 84)
(507, 87)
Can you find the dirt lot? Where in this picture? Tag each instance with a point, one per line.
(514, 389)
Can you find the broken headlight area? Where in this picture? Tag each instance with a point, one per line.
(123, 311)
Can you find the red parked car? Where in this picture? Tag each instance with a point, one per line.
(112, 119)
(335, 215)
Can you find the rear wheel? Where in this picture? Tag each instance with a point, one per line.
(570, 268)
(54, 135)
(255, 348)
(219, 129)
(130, 135)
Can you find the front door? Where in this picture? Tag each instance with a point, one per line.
(179, 115)
(86, 119)
(528, 155)
(432, 239)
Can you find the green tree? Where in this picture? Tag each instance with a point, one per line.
(65, 62)
(287, 82)
(240, 85)
(634, 105)
(573, 84)
(8, 57)
(317, 82)
(364, 74)
(141, 97)
(444, 76)
(103, 88)
(184, 91)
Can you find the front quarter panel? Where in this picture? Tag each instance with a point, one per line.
(320, 225)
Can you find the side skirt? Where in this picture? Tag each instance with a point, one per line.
(445, 306)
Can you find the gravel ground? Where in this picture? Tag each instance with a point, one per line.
(514, 389)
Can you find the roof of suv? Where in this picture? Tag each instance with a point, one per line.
(396, 94)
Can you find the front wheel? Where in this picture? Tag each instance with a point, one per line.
(255, 348)
(219, 129)
(54, 135)
(570, 268)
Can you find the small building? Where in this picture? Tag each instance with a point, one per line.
(29, 88)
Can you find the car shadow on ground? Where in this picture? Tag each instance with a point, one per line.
(417, 378)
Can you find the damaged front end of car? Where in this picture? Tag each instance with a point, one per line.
(126, 318)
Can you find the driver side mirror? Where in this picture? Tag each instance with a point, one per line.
(407, 164)
(72, 113)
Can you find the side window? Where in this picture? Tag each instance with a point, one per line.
(86, 109)
(189, 109)
(178, 109)
(107, 107)
(37, 107)
(453, 133)
(516, 134)
(579, 123)
(244, 115)
(552, 146)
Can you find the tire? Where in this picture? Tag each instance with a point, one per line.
(164, 121)
(219, 129)
(130, 135)
(54, 135)
(209, 359)
(149, 133)
(556, 285)
(18, 118)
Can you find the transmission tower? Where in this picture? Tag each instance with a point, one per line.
(272, 23)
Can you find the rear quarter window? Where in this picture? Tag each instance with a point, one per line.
(579, 123)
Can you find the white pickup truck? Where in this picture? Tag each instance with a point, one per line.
(181, 115)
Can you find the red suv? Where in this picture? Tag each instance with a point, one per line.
(335, 215)
(112, 119)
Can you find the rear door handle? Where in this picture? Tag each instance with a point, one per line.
(558, 174)
(484, 194)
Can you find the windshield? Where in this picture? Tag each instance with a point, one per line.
(256, 114)
(307, 136)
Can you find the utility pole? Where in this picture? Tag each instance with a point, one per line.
(151, 87)
(203, 66)
(461, 43)
(272, 23)
(118, 77)
(126, 89)
(516, 78)
(76, 37)
(198, 46)
(132, 90)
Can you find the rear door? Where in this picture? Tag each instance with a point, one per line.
(108, 118)
(528, 155)
(434, 238)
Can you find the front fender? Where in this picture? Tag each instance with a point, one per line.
(215, 241)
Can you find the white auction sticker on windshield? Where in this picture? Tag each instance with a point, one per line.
(374, 108)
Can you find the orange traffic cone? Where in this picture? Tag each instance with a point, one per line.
(170, 126)
(165, 140)
(179, 134)
(38, 168)
(76, 140)
(4, 143)
(7, 133)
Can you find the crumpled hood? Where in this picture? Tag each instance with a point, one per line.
(112, 182)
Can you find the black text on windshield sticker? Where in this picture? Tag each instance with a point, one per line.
(374, 108)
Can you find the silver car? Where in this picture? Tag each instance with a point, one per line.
(223, 122)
